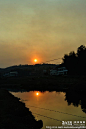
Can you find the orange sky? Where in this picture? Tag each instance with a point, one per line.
(42, 29)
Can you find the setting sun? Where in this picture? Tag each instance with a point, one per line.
(37, 93)
(35, 60)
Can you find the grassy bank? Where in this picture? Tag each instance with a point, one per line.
(14, 114)
(61, 83)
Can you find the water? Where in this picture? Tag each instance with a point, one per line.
(51, 107)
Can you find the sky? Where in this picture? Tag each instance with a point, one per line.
(41, 29)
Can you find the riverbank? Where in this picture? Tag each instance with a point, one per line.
(14, 114)
(42, 83)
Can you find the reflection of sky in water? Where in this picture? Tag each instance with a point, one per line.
(53, 101)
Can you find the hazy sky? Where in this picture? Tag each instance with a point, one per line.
(42, 29)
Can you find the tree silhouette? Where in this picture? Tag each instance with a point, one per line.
(70, 62)
(81, 51)
(76, 62)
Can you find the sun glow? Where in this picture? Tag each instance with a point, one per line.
(37, 93)
(35, 60)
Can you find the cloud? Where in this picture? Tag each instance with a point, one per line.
(44, 28)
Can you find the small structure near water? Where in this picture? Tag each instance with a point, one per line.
(11, 74)
(62, 71)
(53, 72)
(59, 71)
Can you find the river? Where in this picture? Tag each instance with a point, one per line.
(51, 107)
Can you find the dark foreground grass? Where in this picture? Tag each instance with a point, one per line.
(51, 83)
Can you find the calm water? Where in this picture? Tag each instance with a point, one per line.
(52, 101)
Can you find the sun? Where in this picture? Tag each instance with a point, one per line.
(37, 93)
(35, 60)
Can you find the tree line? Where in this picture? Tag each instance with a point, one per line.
(76, 62)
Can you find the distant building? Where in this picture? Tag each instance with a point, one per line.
(62, 71)
(6, 75)
(53, 72)
(59, 71)
(11, 74)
